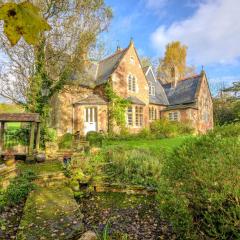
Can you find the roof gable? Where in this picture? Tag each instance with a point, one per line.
(160, 95)
(107, 66)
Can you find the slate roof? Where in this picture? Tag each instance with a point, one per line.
(98, 73)
(107, 66)
(180, 106)
(91, 100)
(184, 92)
(160, 95)
(135, 100)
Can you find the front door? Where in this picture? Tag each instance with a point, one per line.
(90, 122)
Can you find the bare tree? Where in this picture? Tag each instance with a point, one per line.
(31, 71)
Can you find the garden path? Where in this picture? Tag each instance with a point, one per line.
(50, 212)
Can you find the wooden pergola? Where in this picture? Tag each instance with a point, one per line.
(32, 118)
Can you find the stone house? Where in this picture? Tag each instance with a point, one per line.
(82, 106)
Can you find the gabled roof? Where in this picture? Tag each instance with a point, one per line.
(91, 100)
(107, 66)
(160, 95)
(184, 92)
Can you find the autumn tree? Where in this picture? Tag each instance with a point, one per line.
(174, 60)
(33, 74)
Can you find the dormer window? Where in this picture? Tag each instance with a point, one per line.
(152, 89)
(132, 83)
(132, 60)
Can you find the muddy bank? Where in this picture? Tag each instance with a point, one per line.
(10, 219)
(131, 216)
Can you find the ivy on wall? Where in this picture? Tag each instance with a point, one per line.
(117, 108)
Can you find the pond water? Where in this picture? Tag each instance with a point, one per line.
(135, 216)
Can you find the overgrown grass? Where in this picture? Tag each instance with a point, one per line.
(129, 162)
(18, 189)
(199, 189)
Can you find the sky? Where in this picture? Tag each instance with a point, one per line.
(210, 29)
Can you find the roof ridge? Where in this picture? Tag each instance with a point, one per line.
(186, 78)
(113, 55)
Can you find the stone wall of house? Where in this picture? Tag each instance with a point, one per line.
(205, 106)
(62, 108)
(187, 116)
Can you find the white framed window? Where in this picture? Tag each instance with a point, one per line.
(132, 60)
(152, 89)
(152, 113)
(132, 83)
(130, 116)
(139, 116)
(173, 116)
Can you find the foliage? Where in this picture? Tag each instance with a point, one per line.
(95, 138)
(65, 141)
(174, 60)
(226, 107)
(226, 110)
(199, 190)
(18, 189)
(22, 19)
(117, 108)
(164, 128)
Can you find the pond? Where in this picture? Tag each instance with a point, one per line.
(132, 216)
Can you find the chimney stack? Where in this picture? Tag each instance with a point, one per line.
(174, 76)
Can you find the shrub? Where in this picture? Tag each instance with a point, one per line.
(133, 166)
(18, 189)
(163, 128)
(199, 191)
(145, 133)
(95, 138)
(65, 141)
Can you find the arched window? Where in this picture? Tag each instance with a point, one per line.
(132, 83)
(152, 89)
(132, 60)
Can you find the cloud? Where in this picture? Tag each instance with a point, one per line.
(212, 33)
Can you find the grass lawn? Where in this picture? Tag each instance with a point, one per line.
(41, 168)
(11, 108)
(156, 145)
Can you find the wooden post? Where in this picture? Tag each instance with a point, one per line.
(32, 135)
(38, 137)
(2, 131)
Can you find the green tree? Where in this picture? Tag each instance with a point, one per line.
(226, 107)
